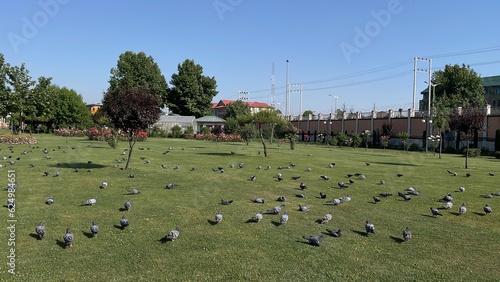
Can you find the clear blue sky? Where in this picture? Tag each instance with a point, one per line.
(237, 41)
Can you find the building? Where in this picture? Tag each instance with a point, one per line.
(94, 108)
(219, 109)
(166, 122)
(491, 86)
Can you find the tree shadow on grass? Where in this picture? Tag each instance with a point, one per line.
(88, 234)
(221, 154)
(394, 163)
(61, 244)
(397, 239)
(362, 233)
(78, 165)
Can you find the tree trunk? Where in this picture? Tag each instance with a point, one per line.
(467, 155)
(440, 142)
(272, 134)
(262, 140)
(132, 138)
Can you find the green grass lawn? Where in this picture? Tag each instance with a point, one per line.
(447, 248)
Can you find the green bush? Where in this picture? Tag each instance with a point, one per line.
(332, 140)
(472, 152)
(450, 150)
(205, 130)
(497, 154)
(413, 147)
(190, 130)
(176, 131)
(485, 151)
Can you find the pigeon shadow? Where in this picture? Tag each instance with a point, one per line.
(275, 223)
(428, 215)
(122, 209)
(164, 240)
(119, 227)
(319, 220)
(304, 242)
(397, 239)
(455, 213)
(88, 234)
(250, 221)
(362, 233)
(61, 244)
(479, 213)
(371, 202)
(212, 222)
(34, 235)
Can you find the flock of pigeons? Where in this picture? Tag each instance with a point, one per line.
(314, 240)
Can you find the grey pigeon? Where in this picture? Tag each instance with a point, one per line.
(461, 189)
(385, 194)
(362, 177)
(486, 195)
(326, 218)
(302, 186)
(11, 203)
(301, 195)
(435, 212)
(322, 196)
(94, 229)
(259, 200)
(172, 235)
(487, 209)
(281, 199)
(90, 202)
(277, 209)
(382, 182)
(341, 185)
(284, 218)
(399, 174)
(124, 222)
(49, 201)
(407, 234)
(468, 174)
(104, 184)
(491, 174)
(335, 202)
(324, 177)
(134, 191)
(170, 186)
(68, 238)
(334, 233)
(304, 208)
(218, 217)
(46, 173)
(448, 205)
(241, 165)
(462, 209)
(351, 181)
(404, 196)
(376, 199)
(257, 217)
(252, 178)
(447, 198)
(225, 202)
(57, 173)
(128, 205)
(369, 227)
(314, 240)
(40, 230)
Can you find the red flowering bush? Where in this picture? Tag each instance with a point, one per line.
(214, 137)
(98, 134)
(66, 132)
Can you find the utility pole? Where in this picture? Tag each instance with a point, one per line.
(244, 96)
(300, 93)
(287, 109)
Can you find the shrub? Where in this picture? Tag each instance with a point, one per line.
(384, 139)
(449, 150)
(341, 139)
(332, 140)
(190, 129)
(413, 147)
(356, 140)
(176, 131)
(484, 151)
(472, 152)
(158, 132)
(205, 130)
(113, 139)
(497, 154)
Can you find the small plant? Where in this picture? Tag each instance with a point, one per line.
(472, 152)
(413, 147)
(176, 131)
(356, 140)
(113, 139)
(404, 136)
(341, 139)
(384, 140)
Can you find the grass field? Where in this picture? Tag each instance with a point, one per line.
(448, 248)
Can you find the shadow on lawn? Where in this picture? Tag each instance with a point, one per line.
(34, 235)
(394, 163)
(88, 234)
(479, 213)
(221, 154)
(211, 222)
(397, 239)
(61, 244)
(362, 233)
(78, 165)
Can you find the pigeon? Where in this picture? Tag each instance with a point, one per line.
(376, 199)
(462, 209)
(362, 177)
(345, 199)
(334, 233)
(241, 165)
(367, 163)
(32, 165)
(335, 202)
(89, 162)
(302, 195)
(218, 217)
(331, 165)
(487, 209)
(407, 234)
(351, 181)
(302, 186)
(170, 186)
(46, 173)
(461, 189)
(314, 240)
(94, 229)
(447, 198)
(435, 212)
(40, 230)
(77, 170)
(192, 169)
(104, 184)
(225, 202)
(369, 227)
(172, 235)
(491, 174)
(90, 202)
(326, 218)
(68, 238)
(304, 208)
(410, 189)
(252, 178)
(277, 209)
(468, 174)
(124, 222)
(382, 182)
(341, 185)
(164, 166)
(49, 201)
(258, 217)
(399, 174)
(259, 167)
(404, 196)
(448, 205)
(176, 167)
(258, 200)
(281, 199)
(134, 191)
(487, 195)
(415, 193)
(284, 218)
(325, 177)
(308, 169)
(128, 205)
(279, 176)
(322, 196)
(268, 167)
(385, 194)
(57, 173)
(131, 175)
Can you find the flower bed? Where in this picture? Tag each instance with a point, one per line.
(66, 132)
(105, 134)
(17, 139)
(214, 137)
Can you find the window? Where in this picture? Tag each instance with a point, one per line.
(494, 103)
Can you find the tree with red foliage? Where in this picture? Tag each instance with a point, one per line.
(131, 110)
(468, 120)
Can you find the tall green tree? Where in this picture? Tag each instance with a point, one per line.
(19, 88)
(457, 86)
(40, 104)
(69, 109)
(130, 110)
(238, 108)
(191, 93)
(138, 70)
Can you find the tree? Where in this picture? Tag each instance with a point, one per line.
(19, 88)
(467, 120)
(290, 133)
(404, 136)
(440, 120)
(356, 139)
(263, 118)
(308, 113)
(238, 108)
(458, 86)
(69, 109)
(138, 70)
(39, 109)
(191, 92)
(130, 110)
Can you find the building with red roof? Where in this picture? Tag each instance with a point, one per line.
(219, 109)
